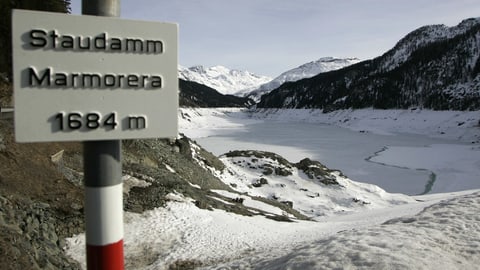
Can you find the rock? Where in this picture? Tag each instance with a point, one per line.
(283, 171)
(267, 170)
(260, 182)
(316, 170)
(288, 203)
(28, 236)
(238, 200)
(202, 205)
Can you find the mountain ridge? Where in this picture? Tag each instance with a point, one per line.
(224, 80)
(306, 70)
(193, 94)
(434, 67)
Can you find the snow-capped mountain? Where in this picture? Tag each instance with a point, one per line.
(224, 80)
(424, 36)
(307, 70)
(435, 67)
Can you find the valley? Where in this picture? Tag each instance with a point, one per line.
(339, 163)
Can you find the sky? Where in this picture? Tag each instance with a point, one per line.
(268, 37)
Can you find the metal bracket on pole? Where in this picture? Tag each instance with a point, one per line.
(103, 182)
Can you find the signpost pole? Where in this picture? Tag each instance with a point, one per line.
(103, 182)
(130, 71)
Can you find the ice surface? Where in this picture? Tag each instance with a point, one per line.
(453, 167)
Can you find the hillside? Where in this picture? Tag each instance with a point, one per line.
(41, 192)
(434, 67)
(193, 94)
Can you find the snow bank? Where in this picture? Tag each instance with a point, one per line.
(183, 232)
(457, 125)
(443, 236)
(203, 122)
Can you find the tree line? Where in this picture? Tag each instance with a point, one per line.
(6, 7)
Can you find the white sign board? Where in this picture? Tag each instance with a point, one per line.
(80, 78)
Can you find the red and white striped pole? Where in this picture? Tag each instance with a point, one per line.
(103, 205)
(103, 183)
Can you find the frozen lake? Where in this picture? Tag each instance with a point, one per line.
(404, 163)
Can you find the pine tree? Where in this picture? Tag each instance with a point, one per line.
(6, 7)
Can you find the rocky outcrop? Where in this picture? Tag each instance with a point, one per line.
(32, 235)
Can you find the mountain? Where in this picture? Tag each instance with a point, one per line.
(435, 67)
(194, 94)
(226, 81)
(307, 70)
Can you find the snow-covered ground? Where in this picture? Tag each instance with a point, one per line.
(315, 195)
(458, 125)
(375, 230)
(444, 235)
(427, 234)
(204, 122)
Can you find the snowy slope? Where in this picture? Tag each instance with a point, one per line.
(446, 235)
(442, 236)
(224, 80)
(307, 186)
(307, 70)
(377, 230)
(310, 188)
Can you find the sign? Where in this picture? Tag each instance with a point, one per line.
(81, 78)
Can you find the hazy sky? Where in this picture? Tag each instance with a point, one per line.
(268, 37)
